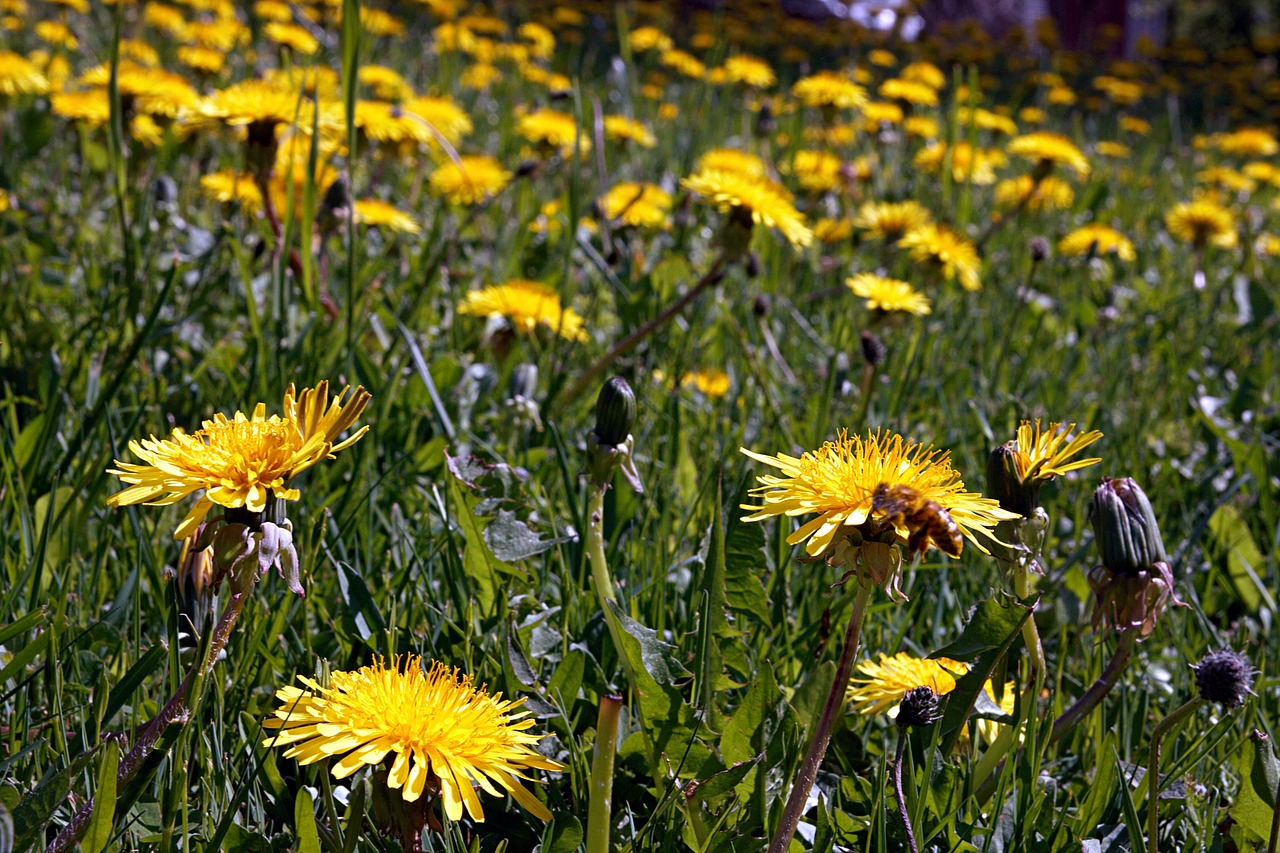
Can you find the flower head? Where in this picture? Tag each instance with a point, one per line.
(20, 76)
(442, 734)
(1098, 238)
(1048, 194)
(526, 305)
(1224, 677)
(829, 89)
(636, 205)
(857, 481)
(888, 294)
(890, 220)
(555, 131)
(241, 461)
(623, 129)
(1201, 223)
(1017, 469)
(471, 180)
(372, 211)
(949, 253)
(758, 199)
(1050, 149)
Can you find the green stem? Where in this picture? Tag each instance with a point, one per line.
(601, 803)
(822, 735)
(1153, 769)
(1275, 824)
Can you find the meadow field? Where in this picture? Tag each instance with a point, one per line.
(627, 427)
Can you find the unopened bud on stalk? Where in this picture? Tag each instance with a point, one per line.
(1224, 677)
(1039, 249)
(752, 268)
(1005, 482)
(615, 412)
(873, 349)
(1128, 535)
(919, 708)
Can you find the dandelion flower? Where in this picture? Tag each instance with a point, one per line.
(1049, 193)
(20, 76)
(1044, 453)
(1202, 222)
(889, 220)
(371, 211)
(526, 305)
(623, 129)
(817, 171)
(763, 201)
(1248, 142)
(916, 94)
(241, 461)
(1050, 149)
(750, 71)
(228, 186)
(554, 130)
(636, 205)
(730, 160)
(471, 180)
(446, 735)
(839, 481)
(829, 89)
(710, 381)
(948, 252)
(888, 294)
(968, 164)
(1095, 237)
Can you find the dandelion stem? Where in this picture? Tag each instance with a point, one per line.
(1153, 768)
(1275, 824)
(897, 790)
(822, 735)
(1089, 700)
(710, 277)
(176, 711)
(601, 805)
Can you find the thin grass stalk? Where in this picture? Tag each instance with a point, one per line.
(813, 756)
(1165, 726)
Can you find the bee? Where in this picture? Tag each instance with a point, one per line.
(925, 519)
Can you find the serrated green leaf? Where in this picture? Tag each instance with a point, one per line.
(1259, 774)
(657, 657)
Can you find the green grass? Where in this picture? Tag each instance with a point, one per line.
(122, 318)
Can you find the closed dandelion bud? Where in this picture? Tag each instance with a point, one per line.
(1005, 483)
(615, 412)
(873, 349)
(765, 123)
(919, 708)
(1224, 677)
(1039, 249)
(1128, 537)
(526, 168)
(760, 306)
(753, 265)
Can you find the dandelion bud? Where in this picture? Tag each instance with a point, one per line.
(526, 168)
(1128, 537)
(1005, 483)
(1224, 677)
(919, 708)
(615, 412)
(752, 265)
(873, 349)
(1039, 249)
(760, 306)
(336, 197)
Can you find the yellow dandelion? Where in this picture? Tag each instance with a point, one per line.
(817, 171)
(952, 255)
(880, 686)
(645, 39)
(730, 160)
(380, 214)
(968, 163)
(711, 381)
(623, 129)
(480, 76)
(386, 83)
(443, 114)
(91, 108)
(882, 58)
(1099, 239)
(241, 461)
(1049, 193)
(926, 73)
(553, 130)
(763, 201)
(1201, 223)
(637, 205)
(1032, 115)
(925, 127)
(877, 113)
(828, 230)
(526, 305)
(1049, 149)
(20, 76)
(888, 294)
(839, 483)
(540, 40)
(1112, 150)
(445, 733)
(889, 220)
(1042, 453)
(750, 71)
(986, 120)
(683, 63)
(916, 94)
(1227, 178)
(1248, 142)
(1135, 125)
(206, 60)
(472, 180)
(829, 89)
(292, 36)
(227, 186)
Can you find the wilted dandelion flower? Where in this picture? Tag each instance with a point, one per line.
(637, 205)
(372, 211)
(471, 180)
(1047, 150)
(1097, 238)
(888, 294)
(1202, 222)
(442, 734)
(526, 305)
(241, 461)
(945, 250)
(760, 200)
(889, 220)
(839, 482)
